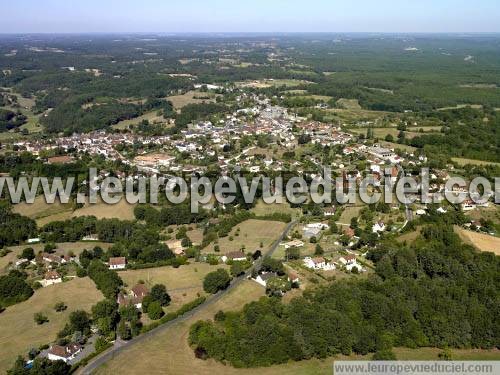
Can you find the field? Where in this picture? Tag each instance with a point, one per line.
(191, 97)
(21, 332)
(150, 116)
(172, 354)
(40, 209)
(463, 161)
(349, 213)
(482, 242)
(122, 210)
(75, 247)
(183, 283)
(262, 209)
(252, 233)
(266, 83)
(348, 103)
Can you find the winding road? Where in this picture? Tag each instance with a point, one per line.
(120, 345)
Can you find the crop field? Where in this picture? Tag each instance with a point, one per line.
(20, 331)
(40, 209)
(252, 233)
(183, 284)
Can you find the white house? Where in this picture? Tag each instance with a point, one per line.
(263, 278)
(378, 227)
(63, 353)
(294, 243)
(51, 277)
(319, 263)
(350, 262)
(235, 256)
(118, 263)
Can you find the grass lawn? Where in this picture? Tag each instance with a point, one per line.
(19, 331)
(481, 241)
(182, 283)
(348, 213)
(252, 233)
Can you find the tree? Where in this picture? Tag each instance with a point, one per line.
(292, 253)
(60, 306)
(155, 311)
(79, 321)
(318, 250)
(124, 331)
(215, 281)
(159, 293)
(40, 318)
(384, 355)
(238, 268)
(28, 253)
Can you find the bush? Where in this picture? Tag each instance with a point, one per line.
(215, 281)
(155, 311)
(60, 306)
(40, 318)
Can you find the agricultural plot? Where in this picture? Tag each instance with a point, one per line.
(481, 241)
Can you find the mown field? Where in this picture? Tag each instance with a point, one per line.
(19, 332)
(183, 284)
(252, 234)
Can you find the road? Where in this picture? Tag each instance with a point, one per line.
(122, 345)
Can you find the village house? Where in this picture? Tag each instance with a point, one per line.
(235, 256)
(329, 211)
(318, 263)
(293, 277)
(135, 297)
(118, 263)
(378, 227)
(264, 277)
(349, 262)
(64, 353)
(294, 243)
(50, 278)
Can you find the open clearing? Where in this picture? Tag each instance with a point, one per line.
(348, 103)
(172, 354)
(21, 332)
(266, 83)
(192, 97)
(481, 241)
(40, 209)
(152, 117)
(183, 283)
(463, 161)
(122, 210)
(252, 233)
(263, 209)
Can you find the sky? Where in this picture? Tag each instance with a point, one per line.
(186, 16)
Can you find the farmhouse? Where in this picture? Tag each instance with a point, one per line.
(118, 263)
(63, 353)
(350, 262)
(135, 297)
